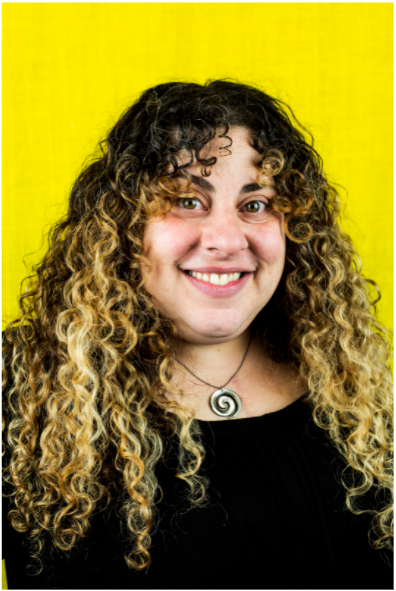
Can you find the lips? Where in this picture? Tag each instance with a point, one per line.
(219, 270)
(210, 289)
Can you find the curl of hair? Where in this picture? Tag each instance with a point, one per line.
(88, 362)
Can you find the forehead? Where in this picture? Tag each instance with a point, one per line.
(233, 150)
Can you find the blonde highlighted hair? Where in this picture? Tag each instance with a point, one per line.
(88, 362)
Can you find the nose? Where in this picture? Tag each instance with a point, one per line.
(223, 232)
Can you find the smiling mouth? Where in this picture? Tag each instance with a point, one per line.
(216, 278)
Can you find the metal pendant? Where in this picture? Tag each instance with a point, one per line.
(225, 403)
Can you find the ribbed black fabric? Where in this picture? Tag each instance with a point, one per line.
(276, 521)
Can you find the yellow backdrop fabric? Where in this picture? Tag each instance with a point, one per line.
(69, 70)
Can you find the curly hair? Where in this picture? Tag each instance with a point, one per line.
(89, 359)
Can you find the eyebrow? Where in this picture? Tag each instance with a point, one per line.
(204, 184)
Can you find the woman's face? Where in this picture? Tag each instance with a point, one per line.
(226, 228)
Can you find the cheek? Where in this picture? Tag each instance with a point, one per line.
(271, 244)
(167, 241)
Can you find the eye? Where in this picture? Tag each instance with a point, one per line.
(189, 207)
(188, 203)
(257, 211)
(256, 207)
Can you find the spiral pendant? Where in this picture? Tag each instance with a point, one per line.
(225, 403)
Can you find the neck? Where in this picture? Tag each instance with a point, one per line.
(214, 363)
(262, 385)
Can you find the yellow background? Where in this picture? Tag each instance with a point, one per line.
(71, 69)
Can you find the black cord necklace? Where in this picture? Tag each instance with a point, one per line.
(223, 402)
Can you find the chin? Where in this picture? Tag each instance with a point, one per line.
(218, 334)
(205, 334)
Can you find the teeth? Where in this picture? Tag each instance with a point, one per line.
(215, 278)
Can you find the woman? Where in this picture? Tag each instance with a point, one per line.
(197, 392)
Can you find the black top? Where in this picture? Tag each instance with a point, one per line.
(276, 521)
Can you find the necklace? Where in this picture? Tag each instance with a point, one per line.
(223, 402)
